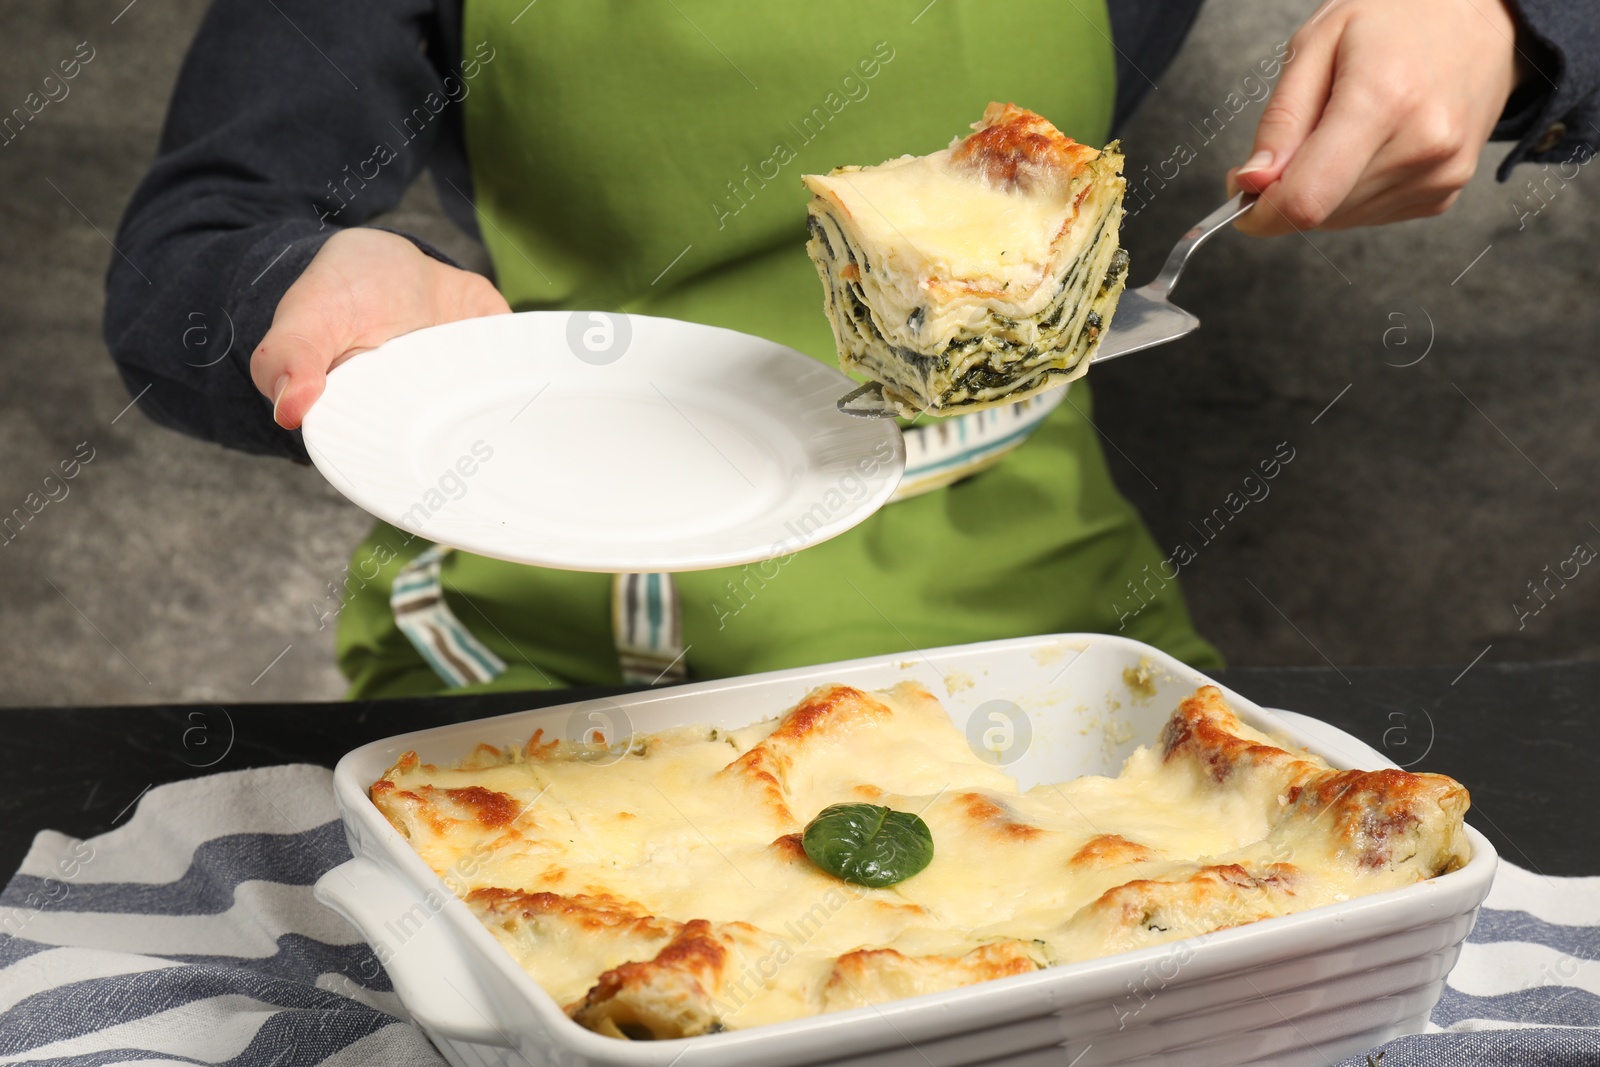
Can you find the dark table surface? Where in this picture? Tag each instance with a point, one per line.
(1517, 735)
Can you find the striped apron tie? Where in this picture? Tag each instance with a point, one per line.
(420, 610)
(947, 450)
(647, 626)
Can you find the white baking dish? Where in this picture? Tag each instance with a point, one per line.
(1312, 988)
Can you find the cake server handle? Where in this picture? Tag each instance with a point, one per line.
(1194, 238)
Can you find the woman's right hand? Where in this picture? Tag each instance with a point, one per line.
(364, 287)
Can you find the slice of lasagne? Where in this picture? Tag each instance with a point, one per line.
(977, 275)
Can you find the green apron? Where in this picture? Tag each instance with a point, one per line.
(646, 157)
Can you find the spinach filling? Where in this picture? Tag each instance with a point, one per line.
(1119, 263)
(815, 228)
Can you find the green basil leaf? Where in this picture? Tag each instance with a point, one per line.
(868, 844)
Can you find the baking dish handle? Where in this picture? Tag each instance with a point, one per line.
(431, 977)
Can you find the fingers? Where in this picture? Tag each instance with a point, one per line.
(1396, 206)
(1327, 167)
(1381, 116)
(1291, 112)
(1359, 168)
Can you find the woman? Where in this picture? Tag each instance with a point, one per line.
(646, 158)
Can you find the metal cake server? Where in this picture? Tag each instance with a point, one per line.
(1144, 318)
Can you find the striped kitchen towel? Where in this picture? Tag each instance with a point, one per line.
(189, 935)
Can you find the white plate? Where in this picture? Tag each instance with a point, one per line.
(601, 442)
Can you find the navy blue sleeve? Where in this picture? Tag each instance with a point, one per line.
(1555, 116)
(290, 119)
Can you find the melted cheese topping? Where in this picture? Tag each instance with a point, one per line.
(659, 889)
(933, 220)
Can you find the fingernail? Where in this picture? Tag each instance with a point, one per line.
(1260, 161)
(278, 390)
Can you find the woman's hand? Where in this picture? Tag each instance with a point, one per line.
(1380, 115)
(363, 287)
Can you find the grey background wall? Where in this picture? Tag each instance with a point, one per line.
(1420, 502)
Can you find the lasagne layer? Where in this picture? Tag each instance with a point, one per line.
(977, 275)
(657, 887)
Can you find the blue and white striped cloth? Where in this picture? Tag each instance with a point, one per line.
(189, 935)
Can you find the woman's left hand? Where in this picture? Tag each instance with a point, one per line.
(1381, 113)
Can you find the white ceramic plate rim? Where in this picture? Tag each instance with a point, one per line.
(362, 436)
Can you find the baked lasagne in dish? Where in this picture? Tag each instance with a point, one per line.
(660, 887)
(975, 276)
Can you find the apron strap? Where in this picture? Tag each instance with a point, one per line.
(646, 616)
(947, 450)
(647, 627)
(421, 613)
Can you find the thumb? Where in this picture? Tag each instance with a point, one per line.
(290, 365)
(1291, 113)
(290, 370)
